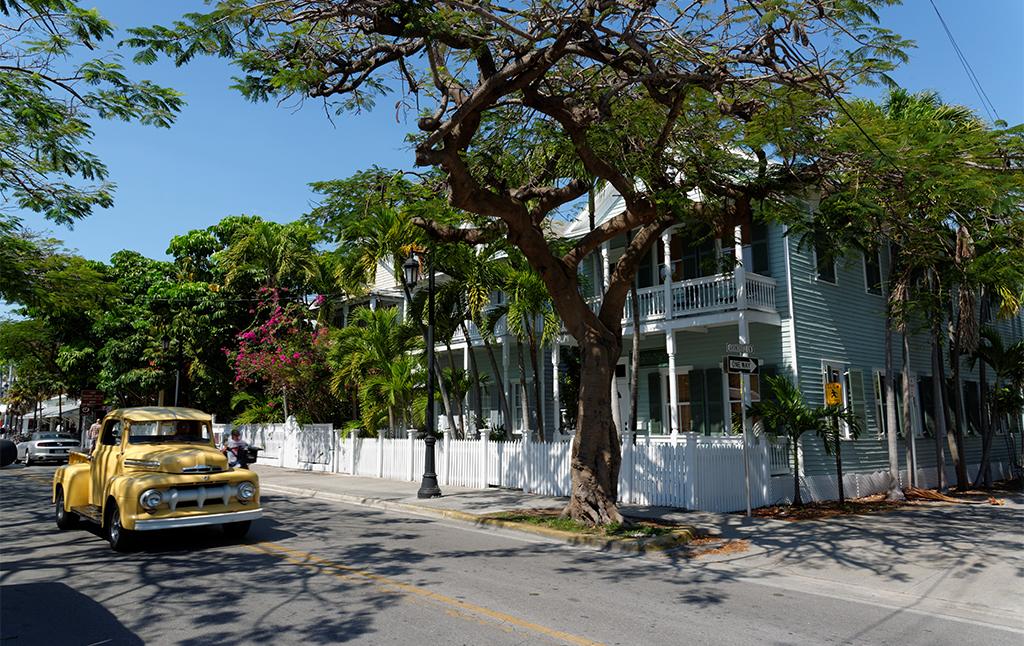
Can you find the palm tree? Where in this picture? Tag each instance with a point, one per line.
(1007, 362)
(785, 414)
(274, 255)
(366, 350)
(530, 317)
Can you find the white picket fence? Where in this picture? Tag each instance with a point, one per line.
(693, 472)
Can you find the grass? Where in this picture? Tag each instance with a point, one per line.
(552, 519)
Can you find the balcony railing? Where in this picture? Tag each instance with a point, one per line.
(699, 296)
(704, 295)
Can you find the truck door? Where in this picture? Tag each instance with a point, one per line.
(105, 458)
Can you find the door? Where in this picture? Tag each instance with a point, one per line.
(105, 458)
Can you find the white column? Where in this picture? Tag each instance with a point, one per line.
(410, 472)
(483, 458)
(673, 387)
(555, 394)
(507, 423)
(626, 468)
(467, 408)
(605, 266)
(380, 457)
(353, 440)
(446, 457)
(740, 276)
(525, 447)
(666, 268)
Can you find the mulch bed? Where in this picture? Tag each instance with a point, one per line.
(830, 508)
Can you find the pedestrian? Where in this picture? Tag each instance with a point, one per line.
(235, 450)
(93, 434)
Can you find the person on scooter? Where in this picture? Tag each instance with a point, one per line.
(235, 450)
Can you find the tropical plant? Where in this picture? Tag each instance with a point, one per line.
(364, 350)
(1007, 362)
(784, 413)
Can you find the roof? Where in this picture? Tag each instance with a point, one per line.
(157, 413)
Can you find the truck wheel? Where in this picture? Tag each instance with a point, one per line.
(236, 531)
(65, 519)
(119, 537)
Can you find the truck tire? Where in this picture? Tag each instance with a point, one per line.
(65, 519)
(121, 539)
(236, 531)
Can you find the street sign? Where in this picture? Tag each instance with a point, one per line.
(739, 348)
(747, 365)
(92, 398)
(833, 393)
(86, 409)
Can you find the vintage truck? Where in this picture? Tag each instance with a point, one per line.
(151, 469)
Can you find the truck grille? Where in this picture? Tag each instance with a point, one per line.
(199, 495)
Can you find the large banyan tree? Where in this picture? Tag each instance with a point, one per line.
(524, 105)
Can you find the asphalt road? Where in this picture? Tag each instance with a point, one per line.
(317, 572)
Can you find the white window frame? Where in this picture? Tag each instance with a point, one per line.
(817, 274)
(666, 399)
(864, 265)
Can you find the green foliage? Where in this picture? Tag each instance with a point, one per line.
(46, 101)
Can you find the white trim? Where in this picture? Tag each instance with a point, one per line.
(795, 356)
(816, 274)
(864, 267)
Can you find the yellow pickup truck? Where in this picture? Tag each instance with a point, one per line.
(154, 468)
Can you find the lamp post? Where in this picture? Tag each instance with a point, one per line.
(428, 487)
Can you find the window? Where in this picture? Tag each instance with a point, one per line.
(882, 404)
(111, 435)
(759, 260)
(693, 256)
(825, 264)
(873, 273)
(168, 431)
(736, 395)
(685, 401)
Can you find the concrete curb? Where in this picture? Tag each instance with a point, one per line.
(625, 545)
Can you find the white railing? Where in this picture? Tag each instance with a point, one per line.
(651, 301)
(760, 292)
(778, 456)
(707, 294)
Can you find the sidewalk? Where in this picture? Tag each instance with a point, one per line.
(471, 505)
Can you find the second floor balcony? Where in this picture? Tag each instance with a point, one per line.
(685, 298)
(705, 295)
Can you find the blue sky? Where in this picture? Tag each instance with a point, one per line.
(225, 156)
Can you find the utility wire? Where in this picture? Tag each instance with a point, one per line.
(990, 109)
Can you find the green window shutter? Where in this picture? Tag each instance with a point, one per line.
(714, 398)
(972, 407)
(857, 399)
(654, 397)
(697, 407)
(924, 391)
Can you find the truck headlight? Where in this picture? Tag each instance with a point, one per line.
(246, 491)
(151, 499)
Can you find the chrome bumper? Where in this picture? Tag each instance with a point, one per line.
(197, 521)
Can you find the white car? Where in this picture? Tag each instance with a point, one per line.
(47, 447)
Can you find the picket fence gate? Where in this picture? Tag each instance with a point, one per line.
(691, 471)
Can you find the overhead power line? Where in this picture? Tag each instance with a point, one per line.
(990, 109)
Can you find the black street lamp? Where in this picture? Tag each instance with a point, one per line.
(428, 487)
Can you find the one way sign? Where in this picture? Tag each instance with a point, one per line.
(748, 365)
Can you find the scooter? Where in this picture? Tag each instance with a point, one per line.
(245, 456)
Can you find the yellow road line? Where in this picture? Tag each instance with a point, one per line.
(306, 559)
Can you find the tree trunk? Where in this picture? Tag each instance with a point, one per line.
(984, 471)
(445, 400)
(839, 459)
(795, 445)
(596, 453)
(908, 424)
(506, 411)
(456, 393)
(634, 387)
(523, 396)
(895, 492)
(474, 369)
(537, 393)
(956, 436)
(939, 413)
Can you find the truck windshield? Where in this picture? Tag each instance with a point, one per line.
(169, 431)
